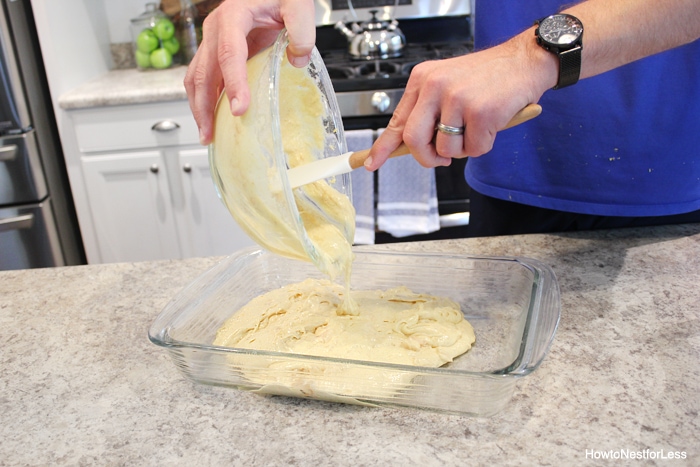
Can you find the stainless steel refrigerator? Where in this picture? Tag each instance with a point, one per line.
(38, 224)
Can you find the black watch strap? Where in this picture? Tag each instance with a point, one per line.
(569, 67)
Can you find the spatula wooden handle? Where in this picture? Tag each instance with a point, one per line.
(357, 158)
(527, 113)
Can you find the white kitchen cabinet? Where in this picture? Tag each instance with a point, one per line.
(146, 188)
(129, 197)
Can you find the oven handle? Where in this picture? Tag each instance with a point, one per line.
(454, 220)
(24, 221)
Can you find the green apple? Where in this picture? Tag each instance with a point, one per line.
(161, 58)
(171, 45)
(143, 59)
(147, 41)
(164, 29)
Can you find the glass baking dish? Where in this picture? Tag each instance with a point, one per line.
(512, 303)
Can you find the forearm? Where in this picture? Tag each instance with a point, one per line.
(616, 32)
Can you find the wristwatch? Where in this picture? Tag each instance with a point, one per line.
(562, 35)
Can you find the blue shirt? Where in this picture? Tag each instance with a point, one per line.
(623, 143)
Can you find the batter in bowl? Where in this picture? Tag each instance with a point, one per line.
(251, 185)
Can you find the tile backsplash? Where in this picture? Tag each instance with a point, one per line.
(123, 55)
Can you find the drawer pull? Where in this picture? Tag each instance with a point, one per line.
(187, 168)
(8, 153)
(165, 125)
(15, 223)
(154, 168)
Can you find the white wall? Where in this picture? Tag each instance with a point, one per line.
(74, 41)
(75, 45)
(119, 14)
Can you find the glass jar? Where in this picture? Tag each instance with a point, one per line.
(188, 30)
(155, 43)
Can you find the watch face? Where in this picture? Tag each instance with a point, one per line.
(560, 29)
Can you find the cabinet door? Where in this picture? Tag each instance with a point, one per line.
(207, 226)
(131, 206)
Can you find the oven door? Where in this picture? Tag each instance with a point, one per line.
(451, 190)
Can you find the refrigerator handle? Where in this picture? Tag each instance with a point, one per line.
(24, 221)
(8, 153)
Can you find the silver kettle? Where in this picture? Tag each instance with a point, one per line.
(373, 39)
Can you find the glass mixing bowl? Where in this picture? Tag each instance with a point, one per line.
(289, 122)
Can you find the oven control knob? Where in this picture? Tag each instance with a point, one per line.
(381, 101)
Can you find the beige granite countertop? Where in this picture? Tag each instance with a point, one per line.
(82, 384)
(130, 86)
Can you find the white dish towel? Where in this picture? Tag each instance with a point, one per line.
(407, 198)
(362, 189)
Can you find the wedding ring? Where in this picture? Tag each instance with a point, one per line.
(450, 130)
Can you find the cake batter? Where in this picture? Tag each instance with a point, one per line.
(392, 326)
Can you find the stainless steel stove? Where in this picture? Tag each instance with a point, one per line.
(369, 88)
(372, 88)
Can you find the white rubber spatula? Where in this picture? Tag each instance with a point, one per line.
(344, 163)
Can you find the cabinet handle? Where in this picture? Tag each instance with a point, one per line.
(165, 125)
(187, 168)
(154, 168)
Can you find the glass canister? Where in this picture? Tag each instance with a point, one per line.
(187, 26)
(155, 43)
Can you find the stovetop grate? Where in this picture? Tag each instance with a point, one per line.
(357, 75)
